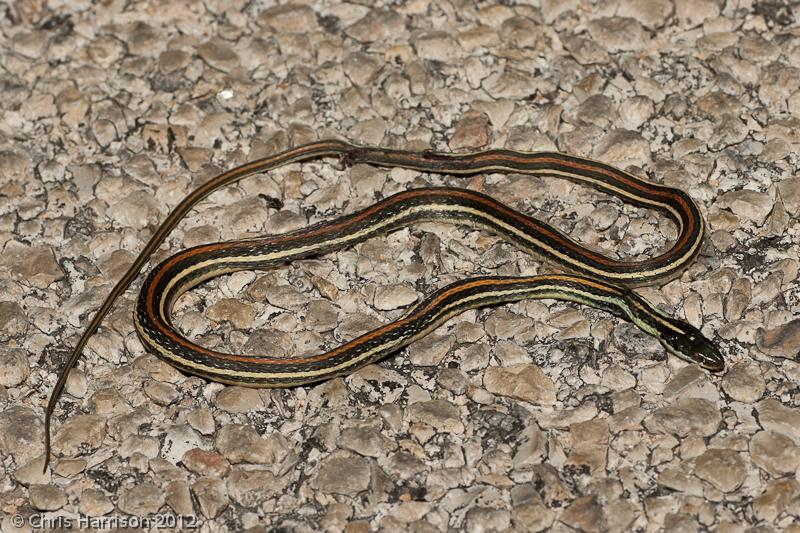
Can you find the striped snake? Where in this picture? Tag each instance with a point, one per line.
(594, 279)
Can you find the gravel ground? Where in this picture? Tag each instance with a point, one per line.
(525, 417)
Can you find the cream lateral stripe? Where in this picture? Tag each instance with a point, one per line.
(277, 256)
(548, 291)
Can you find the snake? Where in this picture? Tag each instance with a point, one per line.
(589, 278)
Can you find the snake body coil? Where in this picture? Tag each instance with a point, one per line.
(594, 279)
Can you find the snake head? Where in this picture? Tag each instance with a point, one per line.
(694, 347)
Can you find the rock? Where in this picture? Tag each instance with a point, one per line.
(782, 341)
(141, 500)
(724, 469)
(80, 432)
(47, 497)
(211, 496)
(524, 381)
(344, 474)
(774, 452)
(32, 265)
(684, 417)
(773, 415)
(440, 414)
(239, 443)
(744, 382)
(13, 366)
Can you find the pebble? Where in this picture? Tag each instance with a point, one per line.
(439, 414)
(141, 500)
(744, 382)
(34, 265)
(774, 416)
(724, 469)
(583, 514)
(78, 433)
(781, 341)
(14, 367)
(525, 382)
(211, 496)
(685, 416)
(238, 443)
(500, 420)
(431, 350)
(249, 487)
(239, 399)
(774, 452)
(95, 503)
(344, 474)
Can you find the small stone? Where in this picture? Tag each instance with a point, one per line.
(94, 502)
(623, 148)
(584, 514)
(651, 13)
(744, 383)
(618, 34)
(252, 486)
(33, 265)
(452, 379)
(208, 463)
(179, 498)
(590, 444)
(239, 443)
(532, 448)
(389, 297)
(439, 414)
(684, 417)
(161, 393)
(436, 46)
(677, 479)
(344, 474)
(775, 499)
(532, 517)
(746, 204)
(211, 496)
(431, 350)
(47, 497)
(378, 25)
(235, 399)
(289, 18)
(782, 341)
(169, 62)
(138, 444)
(524, 381)
(237, 312)
(321, 316)
(472, 131)
(692, 13)
(202, 419)
(775, 453)
(724, 469)
(365, 441)
(603, 217)
(218, 55)
(78, 432)
(789, 190)
(141, 500)
(179, 439)
(31, 44)
(488, 519)
(13, 321)
(13, 366)
(773, 415)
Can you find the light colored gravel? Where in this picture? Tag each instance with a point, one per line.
(526, 417)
